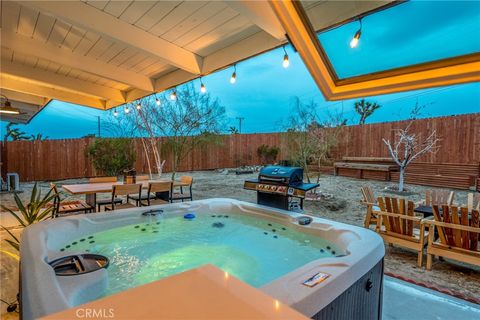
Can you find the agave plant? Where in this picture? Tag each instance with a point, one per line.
(34, 211)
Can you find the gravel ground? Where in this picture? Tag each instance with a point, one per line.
(344, 206)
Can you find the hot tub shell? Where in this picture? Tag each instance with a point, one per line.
(354, 289)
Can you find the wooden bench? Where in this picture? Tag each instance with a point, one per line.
(364, 170)
(380, 160)
(443, 175)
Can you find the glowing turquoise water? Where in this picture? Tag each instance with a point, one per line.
(252, 249)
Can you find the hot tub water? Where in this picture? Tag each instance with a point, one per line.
(253, 249)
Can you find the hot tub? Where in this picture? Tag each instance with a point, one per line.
(265, 247)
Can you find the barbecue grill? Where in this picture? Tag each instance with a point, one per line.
(278, 186)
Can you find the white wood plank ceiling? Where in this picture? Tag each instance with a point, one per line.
(104, 53)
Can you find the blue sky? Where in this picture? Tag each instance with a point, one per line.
(264, 90)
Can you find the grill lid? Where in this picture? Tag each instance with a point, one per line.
(281, 174)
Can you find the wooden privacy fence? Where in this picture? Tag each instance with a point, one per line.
(64, 159)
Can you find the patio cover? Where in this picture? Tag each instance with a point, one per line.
(103, 54)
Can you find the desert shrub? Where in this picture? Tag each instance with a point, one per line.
(112, 156)
(267, 154)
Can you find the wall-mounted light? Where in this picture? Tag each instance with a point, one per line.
(139, 106)
(115, 113)
(203, 89)
(173, 95)
(356, 37)
(233, 78)
(286, 63)
(7, 108)
(127, 110)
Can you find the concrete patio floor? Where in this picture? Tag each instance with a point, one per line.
(404, 300)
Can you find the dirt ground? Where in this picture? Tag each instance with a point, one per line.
(343, 205)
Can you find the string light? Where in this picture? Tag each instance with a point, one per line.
(356, 37)
(157, 101)
(286, 63)
(127, 110)
(115, 113)
(203, 89)
(173, 95)
(139, 106)
(233, 78)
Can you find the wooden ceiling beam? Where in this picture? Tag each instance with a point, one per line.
(60, 81)
(66, 57)
(261, 14)
(88, 17)
(24, 97)
(19, 85)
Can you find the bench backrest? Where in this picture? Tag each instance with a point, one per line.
(473, 201)
(398, 223)
(159, 187)
(438, 197)
(102, 179)
(186, 179)
(456, 237)
(126, 189)
(368, 196)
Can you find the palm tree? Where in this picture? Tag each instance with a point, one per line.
(365, 109)
(233, 130)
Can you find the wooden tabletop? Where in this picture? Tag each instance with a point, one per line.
(206, 292)
(104, 187)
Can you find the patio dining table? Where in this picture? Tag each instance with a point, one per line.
(90, 190)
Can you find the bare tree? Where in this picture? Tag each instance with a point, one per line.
(191, 120)
(325, 137)
(365, 109)
(407, 147)
(309, 139)
(418, 110)
(134, 120)
(296, 139)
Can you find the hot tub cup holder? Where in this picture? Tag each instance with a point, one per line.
(152, 212)
(79, 264)
(304, 220)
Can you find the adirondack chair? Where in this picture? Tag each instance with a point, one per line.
(473, 201)
(438, 197)
(372, 206)
(396, 224)
(458, 235)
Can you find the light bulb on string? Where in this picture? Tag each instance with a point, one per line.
(173, 95)
(286, 62)
(139, 106)
(127, 110)
(356, 37)
(203, 89)
(115, 113)
(233, 78)
(157, 101)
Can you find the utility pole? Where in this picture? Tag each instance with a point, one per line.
(240, 119)
(98, 123)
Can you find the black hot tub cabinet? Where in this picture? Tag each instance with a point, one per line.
(353, 289)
